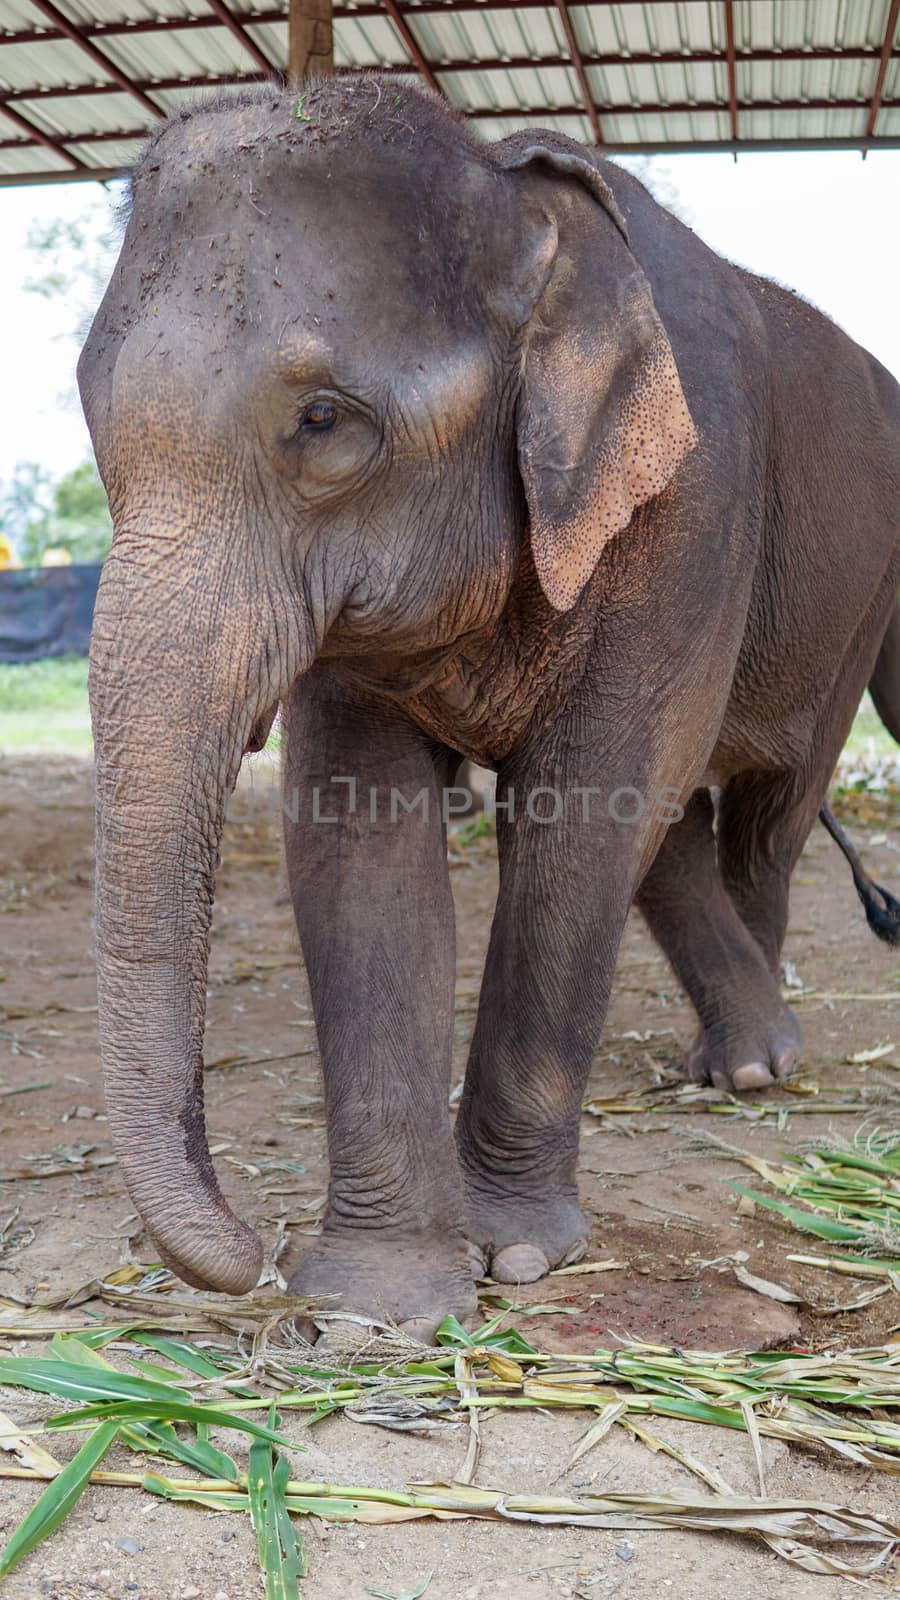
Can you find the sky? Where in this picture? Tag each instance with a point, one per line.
(826, 224)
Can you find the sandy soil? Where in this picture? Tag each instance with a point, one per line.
(655, 1201)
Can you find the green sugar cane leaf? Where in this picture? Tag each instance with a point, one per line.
(332, 1507)
(327, 1506)
(160, 1438)
(844, 1158)
(170, 1409)
(806, 1221)
(288, 1536)
(280, 1555)
(156, 1373)
(88, 1338)
(180, 1352)
(507, 1340)
(72, 1347)
(259, 1468)
(453, 1335)
(451, 1332)
(186, 1355)
(69, 1379)
(217, 1500)
(58, 1498)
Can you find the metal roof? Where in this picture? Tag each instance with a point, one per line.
(82, 81)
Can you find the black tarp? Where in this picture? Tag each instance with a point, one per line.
(47, 611)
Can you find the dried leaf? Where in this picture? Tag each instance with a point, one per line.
(598, 1430)
(581, 1267)
(875, 1054)
(772, 1291)
(25, 1449)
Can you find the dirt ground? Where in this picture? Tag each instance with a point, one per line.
(656, 1203)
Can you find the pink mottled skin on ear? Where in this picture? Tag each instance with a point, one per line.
(652, 435)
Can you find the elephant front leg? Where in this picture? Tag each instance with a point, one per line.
(565, 891)
(374, 911)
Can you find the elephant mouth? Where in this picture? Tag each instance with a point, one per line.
(260, 731)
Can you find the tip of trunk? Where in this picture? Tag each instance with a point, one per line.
(239, 1274)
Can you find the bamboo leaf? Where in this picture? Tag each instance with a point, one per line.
(160, 1438)
(806, 1221)
(188, 1356)
(69, 1380)
(168, 1410)
(58, 1498)
(281, 1555)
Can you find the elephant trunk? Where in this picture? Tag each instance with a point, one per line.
(172, 711)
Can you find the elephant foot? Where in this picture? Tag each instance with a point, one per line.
(516, 1239)
(413, 1281)
(747, 1055)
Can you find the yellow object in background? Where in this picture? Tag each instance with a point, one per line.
(56, 556)
(8, 557)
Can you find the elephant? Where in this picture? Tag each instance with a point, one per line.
(458, 450)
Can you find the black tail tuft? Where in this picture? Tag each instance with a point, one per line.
(883, 918)
(882, 910)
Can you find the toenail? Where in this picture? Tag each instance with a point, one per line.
(519, 1263)
(752, 1076)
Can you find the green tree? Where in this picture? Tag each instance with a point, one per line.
(71, 514)
(26, 500)
(73, 259)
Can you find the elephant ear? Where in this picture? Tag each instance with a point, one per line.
(602, 422)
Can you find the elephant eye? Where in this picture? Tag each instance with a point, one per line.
(318, 416)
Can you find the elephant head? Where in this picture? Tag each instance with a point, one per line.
(354, 375)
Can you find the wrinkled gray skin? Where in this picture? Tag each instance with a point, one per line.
(393, 434)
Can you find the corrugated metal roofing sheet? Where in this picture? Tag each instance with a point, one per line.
(697, 73)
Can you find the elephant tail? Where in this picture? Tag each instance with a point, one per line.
(882, 910)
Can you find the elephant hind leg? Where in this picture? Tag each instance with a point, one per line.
(765, 816)
(884, 684)
(747, 1038)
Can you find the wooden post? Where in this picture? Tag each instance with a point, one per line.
(310, 46)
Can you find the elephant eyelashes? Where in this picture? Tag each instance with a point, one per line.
(318, 417)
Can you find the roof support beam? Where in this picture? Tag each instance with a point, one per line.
(581, 75)
(217, 81)
(375, 8)
(310, 40)
(412, 48)
(36, 134)
(886, 49)
(135, 135)
(506, 113)
(100, 60)
(65, 91)
(237, 30)
(10, 180)
(732, 70)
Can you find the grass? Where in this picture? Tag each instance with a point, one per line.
(869, 738)
(845, 1402)
(44, 707)
(848, 1196)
